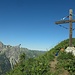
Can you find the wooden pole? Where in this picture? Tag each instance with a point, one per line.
(70, 28)
(70, 21)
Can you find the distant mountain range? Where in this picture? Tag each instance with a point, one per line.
(10, 55)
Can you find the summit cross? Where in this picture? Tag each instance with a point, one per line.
(70, 21)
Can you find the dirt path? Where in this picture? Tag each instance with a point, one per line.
(65, 72)
(53, 67)
(53, 64)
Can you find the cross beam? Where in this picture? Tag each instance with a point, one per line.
(70, 21)
(64, 21)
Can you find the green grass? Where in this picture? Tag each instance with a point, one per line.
(41, 64)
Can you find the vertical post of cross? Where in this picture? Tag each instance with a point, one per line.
(70, 28)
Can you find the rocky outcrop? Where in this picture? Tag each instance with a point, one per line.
(12, 53)
(1, 46)
(71, 50)
(4, 64)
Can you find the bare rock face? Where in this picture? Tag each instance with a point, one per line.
(70, 49)
(12, 53)
(4, 64)
(1, 46)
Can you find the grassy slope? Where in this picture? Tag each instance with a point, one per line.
(63, 63)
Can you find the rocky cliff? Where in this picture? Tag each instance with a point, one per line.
(10, 55)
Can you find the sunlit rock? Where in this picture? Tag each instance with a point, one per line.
(70, 49)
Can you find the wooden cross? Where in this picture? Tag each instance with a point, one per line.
(70, 21)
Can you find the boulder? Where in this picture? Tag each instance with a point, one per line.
(70, 49)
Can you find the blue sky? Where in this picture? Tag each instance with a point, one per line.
(31, 23)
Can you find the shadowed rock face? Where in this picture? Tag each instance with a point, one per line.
(13, 54)
(4, 64)
(1, 46)
(9, 56)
